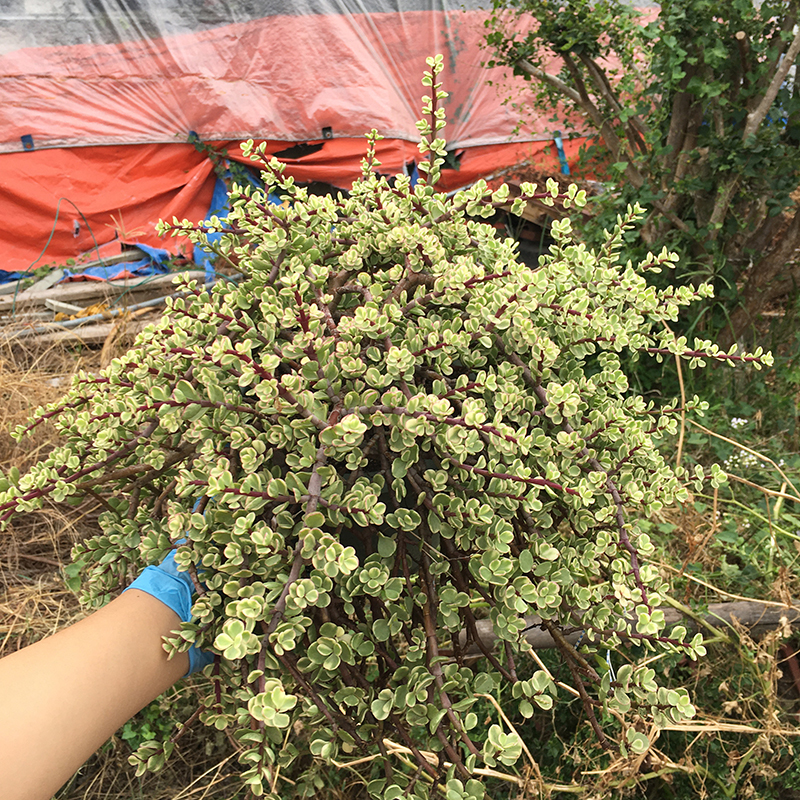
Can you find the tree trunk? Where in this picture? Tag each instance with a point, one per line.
(770, 278)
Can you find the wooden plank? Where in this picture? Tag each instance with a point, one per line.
(62, 308)
(45, 282)
(119, 258)
(86, 334)
(55, 275)
(30, 317)
(97, 291)
(9, 288)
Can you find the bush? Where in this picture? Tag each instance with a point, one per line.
(389, 429)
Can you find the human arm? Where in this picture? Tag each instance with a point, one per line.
(62, 697)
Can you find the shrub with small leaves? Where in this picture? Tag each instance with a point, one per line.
(390, 428)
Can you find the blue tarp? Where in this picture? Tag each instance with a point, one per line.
(8, 277)
(219, 208)
(154, 263)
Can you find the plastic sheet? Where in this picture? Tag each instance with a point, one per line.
(153, 263)
(100, 97)
(122, 191)
(133, 71)
(10, 277)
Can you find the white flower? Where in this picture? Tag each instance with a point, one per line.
(741, 459)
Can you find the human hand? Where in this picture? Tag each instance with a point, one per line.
(175, 589)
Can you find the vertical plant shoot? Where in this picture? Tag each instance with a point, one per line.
(390, 429)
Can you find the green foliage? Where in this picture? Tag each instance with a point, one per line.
(225, 169)
(696, 116)
(149, 724)
(392, 428)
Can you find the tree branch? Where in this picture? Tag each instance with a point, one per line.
(722, 203)
(552, 80)
(636, 127)
(757, 115)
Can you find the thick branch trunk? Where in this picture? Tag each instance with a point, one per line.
(770, 278)
(722, 202)
(545, 77)
(683, 104)
(635, 128)
(757, 617)
(777, 46)
(683, 136)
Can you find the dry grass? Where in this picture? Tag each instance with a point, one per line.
(35, 546)
(28, 380)
(34, 608)
(34, 601)
(191, 774)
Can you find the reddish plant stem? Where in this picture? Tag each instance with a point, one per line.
(453, 421)
(574, 659)
(509, 477)
(186, 725)
(468, 284)
(434, 665)
(314, 490)
(115, 456)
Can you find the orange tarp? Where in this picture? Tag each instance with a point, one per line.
(108, 101)
(122, 191)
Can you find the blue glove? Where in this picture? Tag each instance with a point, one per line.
(175, 589)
